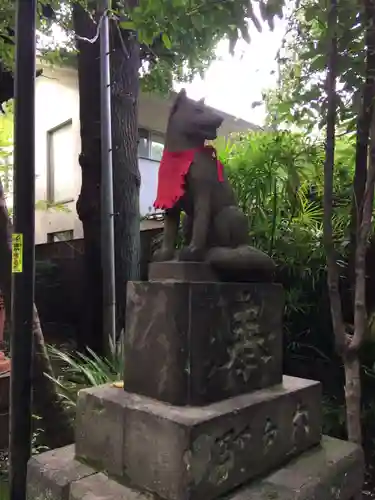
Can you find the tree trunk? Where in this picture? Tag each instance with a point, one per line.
(55, 422)
(362, 135)
(88, 204)
(363, 228)
(348, 346)
(343, 342)
(332, 270)
(351, 360)
(352, 368)
(125, 63)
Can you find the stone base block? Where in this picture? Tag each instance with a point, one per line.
(50, 474)
(190, 343)
(332, 471)
(174, 270)
(200, 453)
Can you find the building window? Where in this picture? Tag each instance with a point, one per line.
(150, 145)
(143, 144)
(59, 236)
(60, 163)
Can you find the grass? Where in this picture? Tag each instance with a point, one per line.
(4, 490)
(4, 493)
(77, 371)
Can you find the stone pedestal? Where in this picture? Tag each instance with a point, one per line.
(202, 342)
(196, 453)
(206, 413)
(331, 471)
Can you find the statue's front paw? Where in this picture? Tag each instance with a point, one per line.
(191, 253)
(163, 254)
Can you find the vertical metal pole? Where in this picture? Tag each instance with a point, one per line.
(24, 229)
(107, 230)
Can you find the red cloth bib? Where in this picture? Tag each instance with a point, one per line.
(172, 171)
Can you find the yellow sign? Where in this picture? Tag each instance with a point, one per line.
(17, 252)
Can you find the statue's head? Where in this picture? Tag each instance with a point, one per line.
(191, 123)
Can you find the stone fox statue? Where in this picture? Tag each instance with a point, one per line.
(192, 180)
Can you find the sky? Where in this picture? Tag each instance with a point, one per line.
(233, 83)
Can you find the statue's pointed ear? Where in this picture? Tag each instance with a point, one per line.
(181, 97)
(182, 94)
(201, 101)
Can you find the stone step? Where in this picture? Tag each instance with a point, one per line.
(332, 471)
(199, 453)
(195, 343)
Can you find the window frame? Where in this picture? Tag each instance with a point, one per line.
(52, 235)
(51, 168)
(149, 135)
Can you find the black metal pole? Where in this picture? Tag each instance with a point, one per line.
(23, 261)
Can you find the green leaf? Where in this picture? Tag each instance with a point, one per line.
(194, 26)
(167, 41)
(127, 25)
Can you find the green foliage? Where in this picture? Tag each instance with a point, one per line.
(300, 98)
(334, 418)
(189, 31)
(6, 149)
(4, 493)
(36, 448)
(6, 130)
(278, 180)
(79, 371)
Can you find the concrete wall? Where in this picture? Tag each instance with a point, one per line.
(57, 101)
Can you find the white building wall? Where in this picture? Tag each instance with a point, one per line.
(57, 101)
(149, 180)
